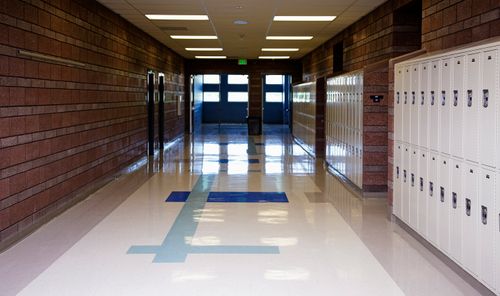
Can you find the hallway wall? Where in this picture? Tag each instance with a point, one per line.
(64, 125)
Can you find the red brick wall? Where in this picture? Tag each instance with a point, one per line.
(64, 127)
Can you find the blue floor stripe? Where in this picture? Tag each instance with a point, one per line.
(243, 197)
(178, 196)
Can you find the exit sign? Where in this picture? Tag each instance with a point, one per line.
(242, 61)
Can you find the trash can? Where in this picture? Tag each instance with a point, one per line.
(254, 125)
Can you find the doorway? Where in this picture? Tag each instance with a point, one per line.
(276, 103)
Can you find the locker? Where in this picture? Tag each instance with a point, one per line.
(457, 106)
(456, 209)
(413, 104)
(406, 105)
(487, 227)
(497, 233)
(470, 219)
(398, 105)
(432, 202)
(414, 193)
(444, 204)
(434, 79)
(487, 109)
(470, 135)
(423, 105)
(422, 192)
(405, 184)
(444, 107)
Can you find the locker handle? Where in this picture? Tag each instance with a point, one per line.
(397, 172)
(484, 215)
(421, 184)
(413, 98)
(431, 189)
(397, 97)
(412, 180)
(469, 98)
(454, 199)
(485, 98)
(467, 206)
(443, 98)
(406, 97)
(422, 98)
(442, 194)
(455, 98)
(432, 98)
(404, 176)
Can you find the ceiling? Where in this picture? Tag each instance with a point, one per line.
(242, 41)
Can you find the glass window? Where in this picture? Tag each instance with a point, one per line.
(237, 79)
(274, 97)
(211, 79)
(211, 96)
(237, 96)
(274, 79)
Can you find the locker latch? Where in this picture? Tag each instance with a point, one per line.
(485, 98)
(467, 206)
(404, 176)
(432, 97)
(412, 180)
(443, 98)
(454, 199)
(421, 184)
(397, 97)
(484, 215)
(422, 98)
(406, 97)
(431, 189)
(397, 172)
(455, 98)
(442, 194)
(413, 98)
(469, 98)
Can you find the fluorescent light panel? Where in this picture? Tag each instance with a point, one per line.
(274, 57)
(280, 49)
(203, 49)
(289, 37)
(177, 17)
(210, 57)
(198, 37)
(304, 18)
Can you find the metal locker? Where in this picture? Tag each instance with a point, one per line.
(423, 105)
(487, 227)
(472, 96)
(406, 105)
(444, 107)
(423, 196)
(457, 105)
(405, 184)
(488, 123)
(398, 103)
(444, 204)
(413, 179)
(434, 88)
(470, 217)
(497, 233)
(433, 195)
(456, 209)
(414, 126)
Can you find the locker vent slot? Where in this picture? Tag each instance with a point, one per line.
(431, 189)
(455, 98)
(454, 199)
(467, 206)
(442, 194)
(421, 184)
(443, 98)
(469, 98)
(484, 215)
(485, 98)
(432, 98)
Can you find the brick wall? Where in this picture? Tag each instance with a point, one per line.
(65, 125)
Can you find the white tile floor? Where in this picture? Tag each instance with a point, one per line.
(330, 242)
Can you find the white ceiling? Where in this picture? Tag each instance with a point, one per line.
(242, 41)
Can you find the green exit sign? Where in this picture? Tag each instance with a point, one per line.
(242, 61)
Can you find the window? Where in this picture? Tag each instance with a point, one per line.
(274, 97)
(237, 79)
(274, 79)
(211, 96)
(211, 79)
(237, 96)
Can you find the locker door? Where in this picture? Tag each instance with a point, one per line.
(406, 105)
(433, 197)
(414, 188)
(497, 233)
(487, 108)
(423, 105)
(423, 192)
(434, 105)
(470, 219)
(456, 210)
(444, 107)
(444, 204)
(415, 76)
(487, 227)
(405, 185)
(457, 106)
(398, 103)
(472, 98)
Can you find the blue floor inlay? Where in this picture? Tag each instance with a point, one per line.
(225, 160)
(253, 161)
(178, 196)
(250, 197)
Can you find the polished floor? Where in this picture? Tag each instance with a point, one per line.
(125, 239)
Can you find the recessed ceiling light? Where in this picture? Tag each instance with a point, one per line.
(240, 22)
(289, 37)
(203, 49)
(178, 17)
(206, 37)
(210, 57)
(303, 18)
(274, 57)
(280, 49)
